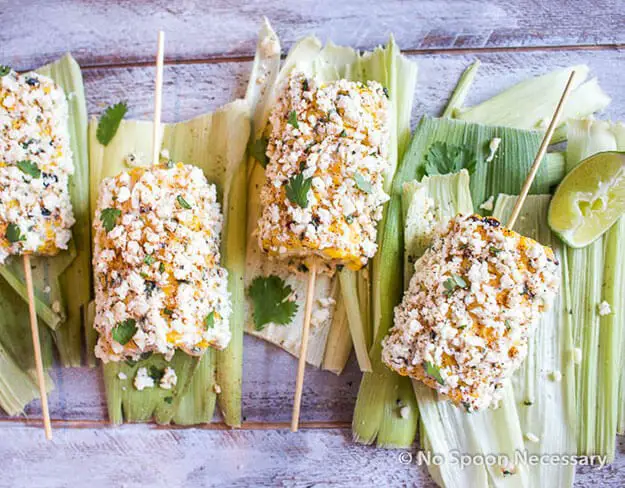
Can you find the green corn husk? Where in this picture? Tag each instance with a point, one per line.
(327, 63)
(215, 143)
(531, 103)
(546, 407)
(67, 274)
(462, 89)
(377, 394)
(556, 167)
(596, 274)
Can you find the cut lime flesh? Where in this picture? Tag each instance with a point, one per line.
(589, 199)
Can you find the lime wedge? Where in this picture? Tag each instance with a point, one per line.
(589, 199)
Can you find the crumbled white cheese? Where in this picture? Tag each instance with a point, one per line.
(217, 388)
(492, 147)
(531, 437)
(489, 204)
(169, 379)
(122, 376)
(36, 163)
(404, 412)
(604, 308)
(56, 306)
(335, 136)
(143, 380)
(464, 323)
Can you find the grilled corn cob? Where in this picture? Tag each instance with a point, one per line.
(463, 326)
(327, 151)
(35, 165)
(159, 285)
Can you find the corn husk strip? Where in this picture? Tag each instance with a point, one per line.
(530, 103)
(462, 89)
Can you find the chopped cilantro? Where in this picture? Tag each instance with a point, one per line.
(4, 70)
(14, 233)
(109, 217)
(149, 260)
(508, 325)
(297, 190)
(124, 331)
(28, 167)
(168, 399)
(362, 183)
(258, 150)
(271, 304)
(168, 311)
(494, 250)
(453, 283)
(343, 133)
(183, 203)
(443, 158)
(109, 122)
(209, 321)
(434, 372)
(293, 119)
(161, 267)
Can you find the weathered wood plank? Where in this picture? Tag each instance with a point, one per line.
(136, 456)
(192, 89)
(38, 31)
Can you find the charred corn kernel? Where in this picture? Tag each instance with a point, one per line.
(464, 323)
(159, 285)
(333, 137)
(35, 207)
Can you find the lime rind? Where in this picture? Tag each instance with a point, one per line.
(590, 199)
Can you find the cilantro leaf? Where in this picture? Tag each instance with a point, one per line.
(14, 233)
(293, 119)
(28, 167)
(168, 399)
(4, 70)
(433, 371)
(453, 283)
(124, 331)
(443, 158)
(109, 122)
(209, 321)
(362, 183)
(149, 260)
(270, 296)
(297, 190)
(183, 203)
(109, 217)
(258, 150)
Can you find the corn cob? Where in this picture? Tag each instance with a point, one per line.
(158, 280)
(463, 326)
(329, 143)
(35, 166)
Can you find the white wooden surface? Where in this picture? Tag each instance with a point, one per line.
(208, 55)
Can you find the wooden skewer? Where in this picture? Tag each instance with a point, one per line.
(158, 99)
(34, 329)
(541, 153)
(303, 350)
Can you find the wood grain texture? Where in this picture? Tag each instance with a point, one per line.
(136, 456)
(104, 32)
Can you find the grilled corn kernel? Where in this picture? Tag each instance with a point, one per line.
(464, 323)
(159, 285)
(35, 165)
(334, 138)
